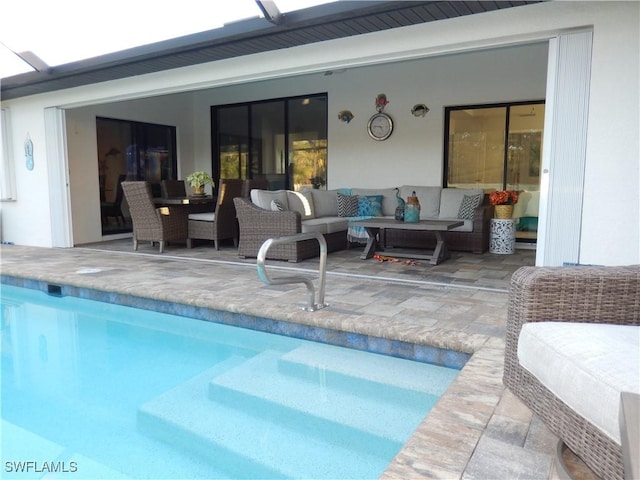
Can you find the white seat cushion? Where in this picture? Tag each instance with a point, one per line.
(203, 217)
(587, 366)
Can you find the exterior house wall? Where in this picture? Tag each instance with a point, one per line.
(387, 61)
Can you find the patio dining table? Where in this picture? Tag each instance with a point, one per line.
(187, 205)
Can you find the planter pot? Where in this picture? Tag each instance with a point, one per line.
(503, 211)
(199, 190)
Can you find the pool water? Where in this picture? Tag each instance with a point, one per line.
(95, 390)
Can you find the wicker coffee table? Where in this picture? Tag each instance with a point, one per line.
(375, 227)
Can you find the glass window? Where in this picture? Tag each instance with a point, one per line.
(498, 147)
(132, 151)
(283, 141)
(231, 141)
(308, 142)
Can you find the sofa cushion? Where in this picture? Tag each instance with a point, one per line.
(347, 205)
(429, 198)
(370, 205)
(389, 202)
(585, 365)
(325, 225)
(301, 202)
(262, 198)
(325, 202)
(451, 199)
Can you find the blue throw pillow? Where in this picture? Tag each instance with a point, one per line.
(370, 206)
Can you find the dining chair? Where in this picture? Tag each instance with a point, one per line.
(173, 188)
(151, 223)
(114, 209)
(222, 223)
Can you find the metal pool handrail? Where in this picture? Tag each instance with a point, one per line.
(264, 276)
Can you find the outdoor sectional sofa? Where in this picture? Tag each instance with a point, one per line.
(269, 214)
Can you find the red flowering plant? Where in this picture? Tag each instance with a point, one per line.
(503, 197)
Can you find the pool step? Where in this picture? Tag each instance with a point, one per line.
(242, 444)
(330, 400)
(378, 369)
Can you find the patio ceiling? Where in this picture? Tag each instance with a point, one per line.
(273, 32)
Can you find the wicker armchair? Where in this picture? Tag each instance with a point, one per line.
(222, 223)
(258, 225)
(162, 225)
(572, 294)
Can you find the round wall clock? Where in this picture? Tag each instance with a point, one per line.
(380, 126)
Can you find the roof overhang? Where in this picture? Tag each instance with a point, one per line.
(276, 31)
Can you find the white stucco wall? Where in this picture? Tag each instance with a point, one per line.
(610, 234)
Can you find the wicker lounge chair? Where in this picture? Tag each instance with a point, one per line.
(222, 223)
(162, 225)
(569, 294)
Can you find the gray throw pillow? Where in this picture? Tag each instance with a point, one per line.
(468, 206)
(347, 205)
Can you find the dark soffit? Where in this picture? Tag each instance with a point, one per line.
(317, 24)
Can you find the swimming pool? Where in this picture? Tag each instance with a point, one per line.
(97, 390)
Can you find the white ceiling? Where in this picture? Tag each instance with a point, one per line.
(63, 31)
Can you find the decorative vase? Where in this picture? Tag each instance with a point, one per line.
(399, 215)
(198, 190)
(412, 209)
(503, 211)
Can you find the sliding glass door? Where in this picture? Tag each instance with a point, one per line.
(131, 151)
(498, 147)
(282, 141)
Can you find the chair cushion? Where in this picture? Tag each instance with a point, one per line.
(585, 365)
(203, 217)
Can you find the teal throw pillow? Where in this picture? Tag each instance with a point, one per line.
(370, 206)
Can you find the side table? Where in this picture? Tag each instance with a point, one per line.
(503, 235)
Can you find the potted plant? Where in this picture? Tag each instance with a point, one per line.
(317, 181)
(197, 181)
(503, 201)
